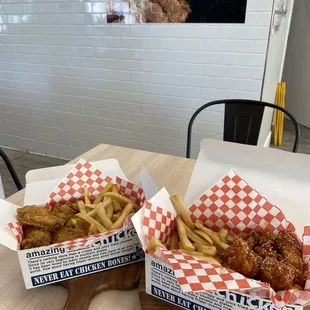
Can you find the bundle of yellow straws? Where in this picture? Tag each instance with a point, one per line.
(279, 116)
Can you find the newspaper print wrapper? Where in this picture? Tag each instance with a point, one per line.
(71, 189)
(235, 205)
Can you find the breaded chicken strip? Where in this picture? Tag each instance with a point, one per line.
(34, 238)
(39, 217)
(67, 233)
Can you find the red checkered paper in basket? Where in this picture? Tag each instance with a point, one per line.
(71, 189)
(231, 203)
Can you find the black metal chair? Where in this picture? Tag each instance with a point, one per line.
(242, 122)
(11, 170)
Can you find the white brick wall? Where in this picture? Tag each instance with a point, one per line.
(69, 81)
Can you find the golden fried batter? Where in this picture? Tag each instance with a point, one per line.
(65, 211)
(39, 217)
(280, 276)
(242, 259)
(67, 233)
(266, 250)
(34, 238)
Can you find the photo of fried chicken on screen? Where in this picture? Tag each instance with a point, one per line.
(175, 11)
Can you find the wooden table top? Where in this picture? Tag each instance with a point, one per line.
(172, 172)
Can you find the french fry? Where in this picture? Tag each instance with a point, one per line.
(230, 239)
(154, 243)
(213, 235)
(109, 211)
(75, 207)
(116, 206)
(204, 236)
(122, 200)
(90, 220)
(81, 206)
(92, 213)
(199, 256)
(174, 241)
(115, 189)
(194, 237)
(223, 234)
(116, 216)
(120, 221)
(205, 249)
(182, 211)
(186, 244)
(100, 209)
(92, 230)
(106, 189)
(86, 195)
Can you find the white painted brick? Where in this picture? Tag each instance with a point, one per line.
(224, 83)
(132, 107)
(257, 73)
(260, 47)
(131, 87)
(99, 7)
(237, 72)
(66, 72)
(122, 75)
(166, 111)
(82, 7)
(132, 126)
(151, 129)
(260, 33)
(140, 77)
(249, 85)
(252, 60)
(149, 109)
(230, 32)
(131, 65)
(227, 58)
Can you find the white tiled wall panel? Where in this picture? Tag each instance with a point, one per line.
(69, 81)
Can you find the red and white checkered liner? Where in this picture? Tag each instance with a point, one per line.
(233, 204)
(71, 188)
(158, 223)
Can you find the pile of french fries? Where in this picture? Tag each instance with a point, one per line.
(106, 212)
(194, 238)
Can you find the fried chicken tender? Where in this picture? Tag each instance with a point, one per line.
(34, 238)
(279, 275)
(65, 211)
(241, 258)
(39, 217)
(176, 10)
(266, 250)
(67, 233)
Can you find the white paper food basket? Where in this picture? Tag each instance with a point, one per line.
(282, 177)
(66, 260)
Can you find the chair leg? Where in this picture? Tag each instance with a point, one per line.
(11, 170)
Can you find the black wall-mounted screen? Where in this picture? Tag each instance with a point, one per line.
(217, 11)
(176, 11)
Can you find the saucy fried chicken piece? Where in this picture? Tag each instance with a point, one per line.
(176, 11)
(241, 258)
(65, 211)
(39, 217)
(278, 275)
(264, 237)
(287, 238)
(266, 250)
(34, 238)
(67, 233)
(155, 14)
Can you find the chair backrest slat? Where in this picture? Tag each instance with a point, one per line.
(243, 120)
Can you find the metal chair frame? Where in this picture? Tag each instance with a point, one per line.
(11, 170)
(241, 101)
